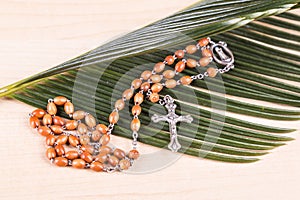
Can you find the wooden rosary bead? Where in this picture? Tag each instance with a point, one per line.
(60, 100)
(90, 120)
(119, 153)
(113, 160)
(101, 157)
(96, 135)
(191, 49)
(82, 128)
(157, 87)
(170, 60)
(97, 166)
(50, 140)
(72, 154)
(179, 54)
(78, 163)
(78, 115)
(159, 67)
(58, 121)
(104, 140)
(60, 150)
(113, 117)
(154, 97)
(50, 153)
(60, 161)
(73, 140)
(136, 83)
(39, 113)
(84, 139)
(136, 110)
(69, 107)
(145, 86)
(139, 98)
(62, 139)
(180, 66)
(169, 74)
(71, 124)
(87, 148)
(47, 119)
(206, 53)
(133, 154)
(120, 104)
(57, 129)
(34, 122)
(191, 63)
(105, 149)
(124, 164)
(86, 157)
(51, 108)
(146, 74)
(204, 61)
(171, 83)
(44, 130)
(186, 80)
(102, 128)
(127, 94)
(155, 78)
(212, 72)
(203, 42)
(135, 124)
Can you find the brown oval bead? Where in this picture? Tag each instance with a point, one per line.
(138, 98)
(133, 154)
(113, 160)
(57, 129)
(87, 148)
(50, 140)
(212, 72)
(44, 130)
(191, 49)
(97, 166)
(39, 113)
(155, 78)
(136, 110)
(60, 100)
(169, 74)
(62, 139)
(203, 42)
(47, 119)
(82, 128)
(50, 153)
(124, 164)
(120, 104)
(191, 63)
(90, 120)
(119, 153)
(186, 80)
(105, 149)
(102, 128)
(154, 97)
(206, 53)
(101, 157)
(171, 83)
(71, 124)
(51, 108)
(87, 157)
(127, 94)
(69, 107)
(170, 60)
(78, 163)
(84, 139)
(157, 87)
(146, 74)
(180, 66)
(145, 86)
(159, 67)
(71, 155)
(135, 124)
(179, 54)
(58, 121)
(114, 117)
(96, 135)
(34, 122)
(78, 115)
(136, 83)
(73, 140)
(204, 61)
(60, 150)
(104, 140)
(60, 161)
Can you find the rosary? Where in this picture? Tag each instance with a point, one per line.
(82, 143)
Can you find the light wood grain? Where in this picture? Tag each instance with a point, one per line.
(38, 34)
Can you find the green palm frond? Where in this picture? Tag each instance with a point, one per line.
(267, 69)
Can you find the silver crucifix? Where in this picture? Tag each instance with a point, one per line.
(172, 119)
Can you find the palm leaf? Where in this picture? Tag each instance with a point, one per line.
(267, 69)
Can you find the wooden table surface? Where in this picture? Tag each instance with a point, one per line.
(38, 34)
